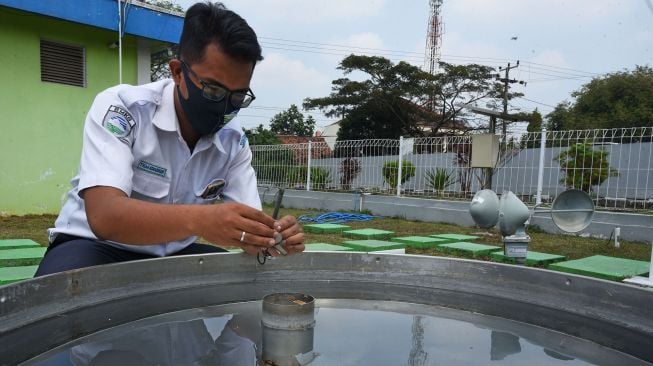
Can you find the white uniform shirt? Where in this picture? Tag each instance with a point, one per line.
(132, 142)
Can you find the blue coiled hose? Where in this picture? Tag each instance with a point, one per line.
(335, 218)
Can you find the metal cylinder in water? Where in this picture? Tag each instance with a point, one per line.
(288, 321)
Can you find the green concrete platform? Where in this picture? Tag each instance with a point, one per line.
(325, 247)
(368, 234)
(452, 238)
(326, 228)
(420, 242)
(15, 274)
(600, 266)
(372, 245)
(468, 249)
(18, 243)
(532, 258)
(21, 257)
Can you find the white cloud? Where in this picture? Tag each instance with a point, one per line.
(280, 81)
(534, 11)
(363, 40)
(459, 50)
(553, 58)
(289, 76)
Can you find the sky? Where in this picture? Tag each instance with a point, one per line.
(560, 44)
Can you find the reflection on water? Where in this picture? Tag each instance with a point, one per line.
(347, 332)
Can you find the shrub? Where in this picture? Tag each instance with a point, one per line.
(439, 179)
(584, 167)
(349, 170)
(296, 175)
(390, 168)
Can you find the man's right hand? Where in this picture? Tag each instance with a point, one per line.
(114, 216)
(225, 223)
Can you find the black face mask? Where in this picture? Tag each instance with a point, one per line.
(205, 116)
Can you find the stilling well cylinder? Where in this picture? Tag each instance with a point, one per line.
(288, 321)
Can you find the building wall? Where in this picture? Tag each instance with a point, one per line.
(41, 123)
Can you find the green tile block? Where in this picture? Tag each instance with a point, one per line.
(21, 257)
(372, 245)
(18, 243)
(452, 238)
(368, 234)
(325, 228)
(15, 274)
(468, 249)
(325, 247)
(532, 258)
(600, 266)
(420, 242)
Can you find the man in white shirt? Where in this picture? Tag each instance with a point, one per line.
(156, 157)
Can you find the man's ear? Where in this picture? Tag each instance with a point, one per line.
(175, 70)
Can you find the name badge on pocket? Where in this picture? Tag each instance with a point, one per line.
(213, 189)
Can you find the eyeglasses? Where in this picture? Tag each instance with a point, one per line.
(217, 92)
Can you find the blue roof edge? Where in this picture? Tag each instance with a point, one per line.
(142, 20)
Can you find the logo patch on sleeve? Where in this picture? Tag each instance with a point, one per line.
(243, 140)
(118, 121)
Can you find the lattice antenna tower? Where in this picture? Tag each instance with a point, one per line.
(434, 32)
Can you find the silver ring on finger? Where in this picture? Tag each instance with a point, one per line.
(242, 237)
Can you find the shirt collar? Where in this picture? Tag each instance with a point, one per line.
(165, 116)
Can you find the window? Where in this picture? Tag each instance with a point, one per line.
(63, 63)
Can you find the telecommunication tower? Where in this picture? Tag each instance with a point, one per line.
(433, 37)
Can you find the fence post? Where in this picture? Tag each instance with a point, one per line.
(401, 155)
(308, 167)
(540, 169)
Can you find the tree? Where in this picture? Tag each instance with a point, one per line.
(261, 136)
(534, 121)
(291, 122)
(458, 85)
(529, 139)
(159, 69)
(560, 117)
(388, 104)
(620, 99)
(584, 167)
(165, 4)
(396, 97)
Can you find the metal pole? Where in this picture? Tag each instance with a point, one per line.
(308, 167)
(119, 43)
(401, 156)
(488, 171)
(650, 272)
(540, 169)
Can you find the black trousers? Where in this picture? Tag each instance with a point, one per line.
(70, 252)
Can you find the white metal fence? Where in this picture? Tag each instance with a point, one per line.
(612, 165)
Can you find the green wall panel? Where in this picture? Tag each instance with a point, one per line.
(41, 123)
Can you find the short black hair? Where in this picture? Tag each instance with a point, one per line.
(207, 23)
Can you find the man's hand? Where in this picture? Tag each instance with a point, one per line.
(293, 236)
(224, 224)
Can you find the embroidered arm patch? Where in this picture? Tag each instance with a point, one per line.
(243, 141)
(119, 122)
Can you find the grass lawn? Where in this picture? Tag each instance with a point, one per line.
(573, 247)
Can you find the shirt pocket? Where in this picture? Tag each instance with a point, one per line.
(210, 192)
(148, 188)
